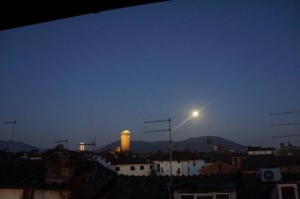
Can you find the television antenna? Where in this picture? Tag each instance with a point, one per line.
(90, 144)
(13, 130)
(287, 112)
(286, 136)
(284, 113)
(170, 141)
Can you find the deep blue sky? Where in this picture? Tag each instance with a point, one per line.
(98, 74)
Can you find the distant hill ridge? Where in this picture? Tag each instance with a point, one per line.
(16, 146)
(196, 143)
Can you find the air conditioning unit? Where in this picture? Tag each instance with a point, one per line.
(270, 175)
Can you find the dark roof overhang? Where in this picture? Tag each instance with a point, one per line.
(15, 13)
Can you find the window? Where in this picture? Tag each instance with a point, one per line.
(178, 161)
(28, 193)
(117, 168)
(204, 197)
(220, 167)
(178, 171)
(151, 166)
(287, 191)
(187, 197)
(142, 167)
(222, 196)
(212, 195)
(132, 168)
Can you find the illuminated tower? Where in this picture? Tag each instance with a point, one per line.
(81, 146)
(125, 141)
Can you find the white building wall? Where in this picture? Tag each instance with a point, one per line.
(192, 167)
(11, 193)
(187, 167)
(125, 169)
(177, 167)
(260, 152)
(103, 162)
(164, 167)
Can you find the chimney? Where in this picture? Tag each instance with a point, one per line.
(236, 161)
(59, 164)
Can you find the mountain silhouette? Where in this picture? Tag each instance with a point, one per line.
(195, 144)
(16, 146)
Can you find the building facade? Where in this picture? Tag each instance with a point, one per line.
(183, 163)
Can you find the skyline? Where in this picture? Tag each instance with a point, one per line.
(96, 75)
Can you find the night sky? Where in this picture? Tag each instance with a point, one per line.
(97, 74)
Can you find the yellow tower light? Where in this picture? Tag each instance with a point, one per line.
(125, 141)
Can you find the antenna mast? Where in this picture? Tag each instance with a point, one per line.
(170, 142)
(13, 131)
(286, 136)
(284, 113)
(286, 124)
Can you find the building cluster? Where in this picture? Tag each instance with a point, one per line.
(220, 174)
